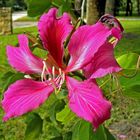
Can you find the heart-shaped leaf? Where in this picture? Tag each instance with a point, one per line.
(128, 61)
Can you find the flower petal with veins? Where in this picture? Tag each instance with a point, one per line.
(85, 42)
(87, 101)
(103, 63)
(53, 32)
(22, 59)
(24, 96)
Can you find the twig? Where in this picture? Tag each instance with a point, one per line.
(82, 10)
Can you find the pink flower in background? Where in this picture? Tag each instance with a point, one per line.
(90, 50)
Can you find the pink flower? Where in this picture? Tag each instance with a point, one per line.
(90, 50)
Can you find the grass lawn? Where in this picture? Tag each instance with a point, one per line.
(14, 129)
(131, 39)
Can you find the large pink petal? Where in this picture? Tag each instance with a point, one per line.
(24, 96)
(102, 63)
(53, 31)
(86, 41)
(22, 59)
(87, 101)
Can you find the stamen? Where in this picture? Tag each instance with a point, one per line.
(63, 76)
(46, 68)
(57, 78)
(61, 82)
(53, 84)
(53, 72)
(43, 76)
(56, 82)
(60, 71)
(62, 79)
(43, 72)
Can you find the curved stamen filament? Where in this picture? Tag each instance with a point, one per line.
(43, 75)
(55, 81)
(53, 72)
(43, 72)
(61, 81)
(60, 71)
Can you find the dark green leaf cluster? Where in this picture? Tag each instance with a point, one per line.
(35, 10)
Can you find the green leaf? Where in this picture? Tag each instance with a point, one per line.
(128, 61)
(2, 137)
(67, 136)
(65, 115)
(126, 82)
(57, 106)
(131, 86)
(83, 131)
(38, 7)
(57, 138)
(133, 91)
(62, 94)
(4, 78)
(6, 75)
(108, 134)
(54, 131)
(57, 3)
(60, 10)
(12, 78)
(34, 127)
(100, 134)
(66, 6)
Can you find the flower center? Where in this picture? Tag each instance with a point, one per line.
(53, 76)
